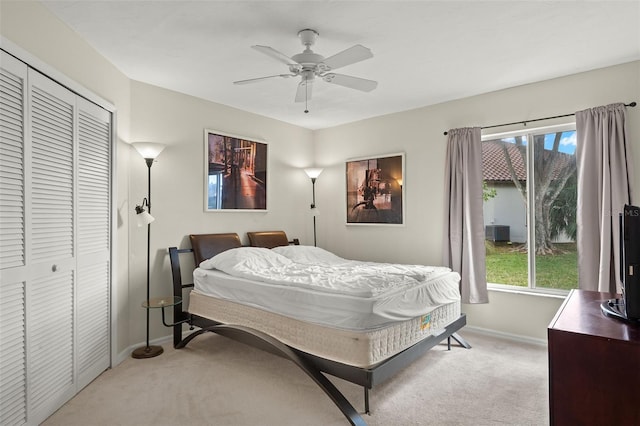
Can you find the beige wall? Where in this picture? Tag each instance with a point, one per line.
(178, 182)
(419, 133)
(148, 113)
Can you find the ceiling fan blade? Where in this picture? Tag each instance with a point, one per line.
(278, 56)
(253, 80)
(350, 82)
(349, 56)
(304, 91)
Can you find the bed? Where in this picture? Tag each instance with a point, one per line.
(361, 329)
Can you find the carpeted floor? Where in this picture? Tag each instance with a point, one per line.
(216, 381)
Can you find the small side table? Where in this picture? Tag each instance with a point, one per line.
(164, 302)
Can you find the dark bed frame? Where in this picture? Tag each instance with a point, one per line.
(205, 246)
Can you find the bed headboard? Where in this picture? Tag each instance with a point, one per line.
(269, 239)
(205, 246)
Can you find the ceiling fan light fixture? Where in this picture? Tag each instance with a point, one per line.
(308, 76)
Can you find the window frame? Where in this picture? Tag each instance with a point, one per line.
(530, 213)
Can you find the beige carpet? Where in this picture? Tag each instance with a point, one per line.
(215, 381)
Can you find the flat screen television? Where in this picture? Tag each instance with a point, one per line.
(630, 260)
(627, 308)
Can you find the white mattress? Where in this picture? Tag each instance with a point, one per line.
(360, 349)
(313, 285)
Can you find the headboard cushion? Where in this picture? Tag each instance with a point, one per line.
(268, 239)
(205, 246)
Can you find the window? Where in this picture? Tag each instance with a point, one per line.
(530, 191)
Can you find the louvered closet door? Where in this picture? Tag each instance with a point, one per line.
(55, 250)
(50, 252)
(13, 408)
(93, 241)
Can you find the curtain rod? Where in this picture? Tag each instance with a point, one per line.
(632, 104)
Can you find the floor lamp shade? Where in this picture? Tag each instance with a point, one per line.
(149, 151)
(313, 173)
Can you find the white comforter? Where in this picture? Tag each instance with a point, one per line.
(383, 290)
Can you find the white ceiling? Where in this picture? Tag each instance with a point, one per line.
(425, 52)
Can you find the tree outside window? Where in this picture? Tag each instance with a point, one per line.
(531, 183)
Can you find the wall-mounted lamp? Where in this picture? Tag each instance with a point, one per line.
(313, 173)
(149, 151)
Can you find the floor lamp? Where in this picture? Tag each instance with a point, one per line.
(313, 173)
(149, 152)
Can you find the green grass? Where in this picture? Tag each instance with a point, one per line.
(508, 265)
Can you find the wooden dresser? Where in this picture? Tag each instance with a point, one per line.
(594, 364)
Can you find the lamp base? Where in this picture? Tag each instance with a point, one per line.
(147, 352)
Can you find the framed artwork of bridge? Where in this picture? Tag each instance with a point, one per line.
(235, 169)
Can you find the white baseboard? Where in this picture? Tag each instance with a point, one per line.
(508, 336)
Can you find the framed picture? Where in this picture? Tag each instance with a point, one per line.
(235, 171)
(375, 190)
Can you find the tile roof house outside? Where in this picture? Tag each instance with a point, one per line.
(507, 208)
(495, 167)
(494, 163)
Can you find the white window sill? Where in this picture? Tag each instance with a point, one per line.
(539, 292)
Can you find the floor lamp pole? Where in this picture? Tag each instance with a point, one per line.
(148, 351)
(314, 231)
(313, 206)
(149, 164)
(313, 173)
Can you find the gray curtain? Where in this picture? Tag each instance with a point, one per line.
(604, 186)
(463, 243)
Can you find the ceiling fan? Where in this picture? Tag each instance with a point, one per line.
(310, 65)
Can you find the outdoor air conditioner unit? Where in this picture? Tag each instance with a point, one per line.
(497, 233)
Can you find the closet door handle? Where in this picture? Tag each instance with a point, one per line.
(54, 268)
